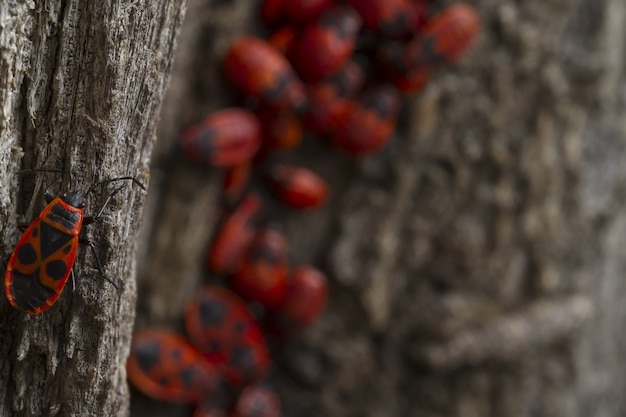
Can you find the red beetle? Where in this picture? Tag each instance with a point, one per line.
(369, 123)
(325, 45)
(42, 260)
(220, 325)
(227, 250)
(297, 187)
(165, 366)
(390, 18)
(263, 276)
(225, 138)
(257, 401)
(306, 298)
(259, 70)
(445, 38)
(328, 100)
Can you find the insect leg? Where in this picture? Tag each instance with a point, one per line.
(91, 219)
(94, 252)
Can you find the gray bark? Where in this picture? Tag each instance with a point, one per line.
(81, 85)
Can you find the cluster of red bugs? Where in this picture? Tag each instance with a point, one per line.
(338, 70)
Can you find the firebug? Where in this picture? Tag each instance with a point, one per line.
(263, 275)
(42, 260)
(370, 121)
(226, 252)
(390, 18)
(328, 100)
(225, 138)
(220, 325)
(306, 297)
(325, 45)
(297, 187)
(165, 366)
(260, 70)
(446, 37)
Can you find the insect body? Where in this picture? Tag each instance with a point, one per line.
(42, 260)
(165, 366)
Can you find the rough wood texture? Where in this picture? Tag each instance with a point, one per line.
(81, 85)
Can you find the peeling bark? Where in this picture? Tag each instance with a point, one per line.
(81, 86)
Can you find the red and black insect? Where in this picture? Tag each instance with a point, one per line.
(328, 100)
(445, 38)
(165, 366)
(226, 252)
(370, 121)
(42, 260)
(225, 138)
(263, 275)
(307, 292)
(260, 70)
(298, 187)
(325, 45)
(220, 325)
(390, 18)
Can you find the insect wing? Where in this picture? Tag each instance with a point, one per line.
(39, 267)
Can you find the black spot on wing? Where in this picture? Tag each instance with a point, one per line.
(56, 269)
(188, 376)
(28, 291)
(212, 313)
(60, 214)
(147, 355)
(26, 254)
(52, 240)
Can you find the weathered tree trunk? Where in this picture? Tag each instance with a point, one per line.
(81, 85)
(476, 262)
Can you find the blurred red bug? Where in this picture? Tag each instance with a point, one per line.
(369, 123)
(226, 252)
(259, 70)
(445, 38)
(165, 366)
(298, 187)
(325, 45)
(390, 18)
(225, 138)
(263, 276)
(220, 325)
(257, 401)
(306, 298)
(328, 100)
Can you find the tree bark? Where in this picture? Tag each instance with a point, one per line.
(81, 85)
